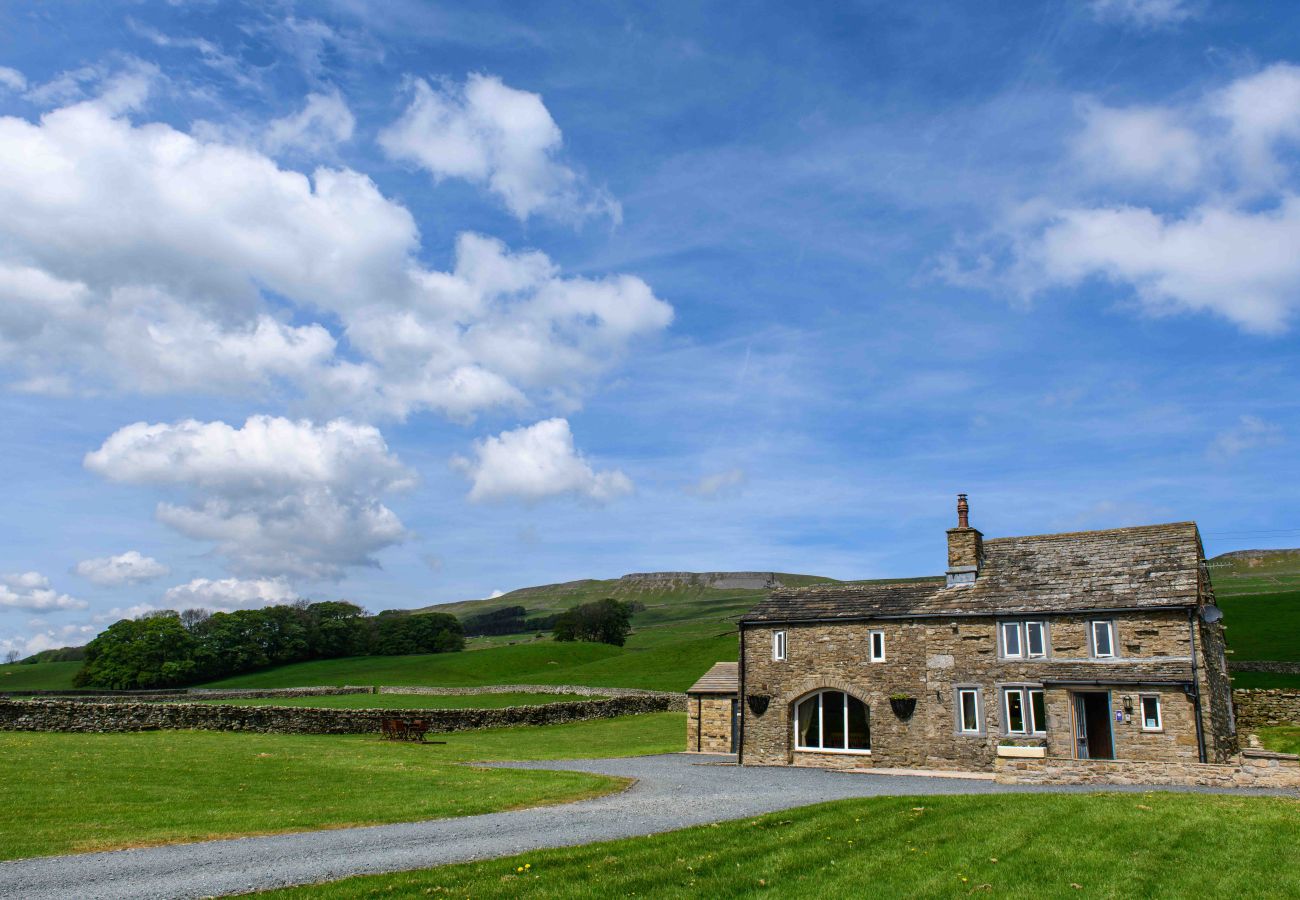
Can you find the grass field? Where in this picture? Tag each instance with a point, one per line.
(1281, 738)
(55, 676)
(1263, 626)
(78, 792)
(1045, 846)
(1264, 680)
(405, 701)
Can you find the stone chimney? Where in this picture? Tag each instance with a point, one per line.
(965, 548)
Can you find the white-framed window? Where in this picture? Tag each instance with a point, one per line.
(969, 720)
(877, 646)
(1102, 634)
(1024, 710)
(1151, 720)
(778, 645)
(1011, 643)
(1022, 640)
(1035, 639)
(832, 722)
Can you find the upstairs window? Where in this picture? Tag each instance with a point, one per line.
(1103, 640)
(778, 645)
(1035, 639)
(1023, 640)
(1151, 713)
(1011, 648)
(877, 646)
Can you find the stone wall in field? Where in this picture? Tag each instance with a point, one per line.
(1261, 708)
(109, 716)
(679, 700)
(1263, 665)
(1252, 769)
(188, 694)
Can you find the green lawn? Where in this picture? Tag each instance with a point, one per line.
(405, 701)
(53, 676)
(1008, 845)
(1281, 738)
(77, 792)
(1264, 680)
(1263, 626)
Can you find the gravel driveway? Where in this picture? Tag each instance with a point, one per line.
(672, 791)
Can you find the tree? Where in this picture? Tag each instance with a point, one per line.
(11, 657)
(398, 633)
(603, 621)
(149, 652)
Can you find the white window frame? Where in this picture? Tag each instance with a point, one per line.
(778, 646)
(872, 638)
(961, 693)
(821, 724)
(1032, 727)
(1042, 633)
(1110, 638)
(1142, 711)
(1018, 630)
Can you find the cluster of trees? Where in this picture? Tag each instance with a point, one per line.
(170, 649)
(506, 620)
(605, 621)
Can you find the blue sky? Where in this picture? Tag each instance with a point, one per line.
(410, 303)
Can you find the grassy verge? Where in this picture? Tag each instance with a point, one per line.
(406, 701)
(1106, 845)
(69, 793)
(1282, 738)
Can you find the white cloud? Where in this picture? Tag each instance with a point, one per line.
(47, 639)
(32, 591)
(278, 497)
(490, 134)
(229, 594)
(1262, 110)
(322, 123)
(144, 258)
(1249, 433)
(1224, 244)
(130, 567)
(1142, 145)
(718, 484)
(12, 79)
(1144, 13)
(495, 594)
(537, 462)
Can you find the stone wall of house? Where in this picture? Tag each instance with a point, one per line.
(1261, 708)
(1251, 769)
(929, 660)
(72, 715)
(708, 724)
(1216, 692)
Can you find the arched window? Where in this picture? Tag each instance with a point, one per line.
(832, 721)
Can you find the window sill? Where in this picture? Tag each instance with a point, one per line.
(828, 750)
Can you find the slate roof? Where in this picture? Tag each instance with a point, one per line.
(723, 678)
(1147, 567)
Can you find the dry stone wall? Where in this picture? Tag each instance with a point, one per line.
(109, 716)
(1260, 708)
(1263, 665)
(576, 689)
(1252, 769)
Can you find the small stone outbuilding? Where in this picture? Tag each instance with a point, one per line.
(712, 707)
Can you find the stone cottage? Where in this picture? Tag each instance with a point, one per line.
(1095, 644)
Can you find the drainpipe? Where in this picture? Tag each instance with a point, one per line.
(699, 722)
(1196, 685)
(740, 743)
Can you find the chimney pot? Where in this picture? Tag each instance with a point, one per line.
(963, 512)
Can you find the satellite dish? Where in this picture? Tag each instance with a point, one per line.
(1211, 614)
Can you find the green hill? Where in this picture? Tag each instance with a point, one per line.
(45, 676)
(1255, 572)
